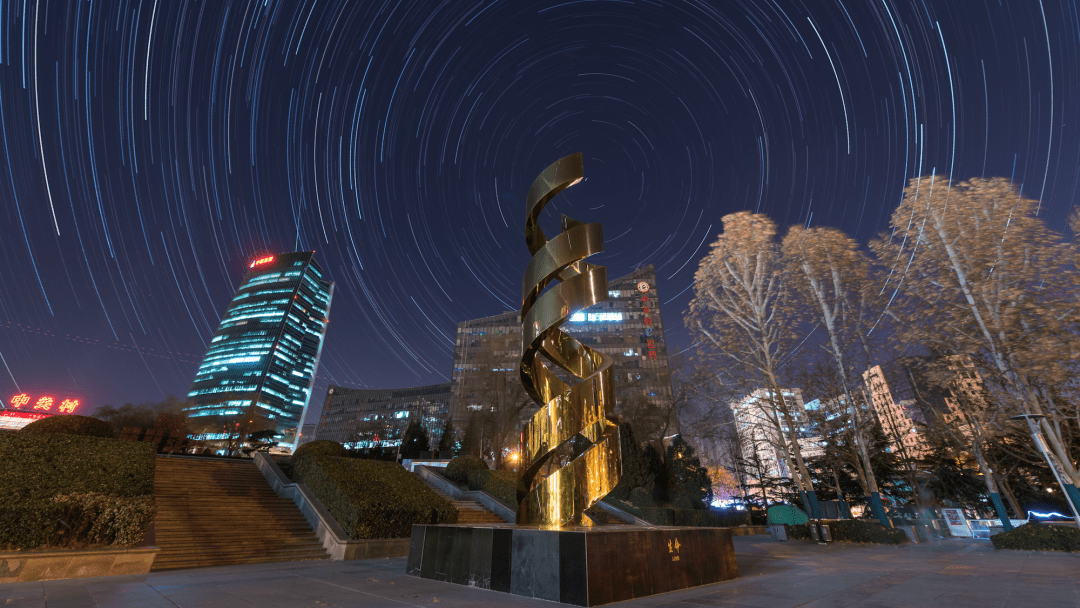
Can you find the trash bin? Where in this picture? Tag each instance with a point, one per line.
(826, 533)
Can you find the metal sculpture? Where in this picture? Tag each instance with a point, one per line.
(570, 455)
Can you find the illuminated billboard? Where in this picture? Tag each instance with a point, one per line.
(13, 421)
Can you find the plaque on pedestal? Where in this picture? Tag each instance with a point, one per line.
(584, 566)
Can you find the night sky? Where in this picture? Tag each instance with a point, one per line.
(153, 148)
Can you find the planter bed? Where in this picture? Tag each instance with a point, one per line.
(22, 566)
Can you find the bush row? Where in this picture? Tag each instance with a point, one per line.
(500, 484)
(458, 469)
(1034, 536)
(853, 531)
(371, 498)
(42, 466)
(700, 518)
(74, 521)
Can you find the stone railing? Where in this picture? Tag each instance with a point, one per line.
(334, 539)
(489, 502)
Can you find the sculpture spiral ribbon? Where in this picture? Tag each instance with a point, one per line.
(575, 417)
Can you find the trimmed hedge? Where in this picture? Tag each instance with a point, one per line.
(371, 498)
(43, 466)
(642, 498)
(500, 484)
(62, 490)
(1034, 536)
(70, 425)
(457, 470)
(76, 520)
(853, 531)
(320, 447)
(697, 518)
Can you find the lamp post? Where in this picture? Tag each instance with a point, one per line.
(1040, 443)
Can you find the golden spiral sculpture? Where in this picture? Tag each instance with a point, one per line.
(570, 455)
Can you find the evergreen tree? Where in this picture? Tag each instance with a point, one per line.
(658, 472)
(470, 443)
(686, 476)
(636, 472)
(446, 441)
(414, 441)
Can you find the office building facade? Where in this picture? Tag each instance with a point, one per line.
(759, 426)
(377, 418)
(265, 353)
(627, 326)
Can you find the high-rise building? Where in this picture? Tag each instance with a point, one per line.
(627, 326)
(913, 397)
(377, 418)
(265, 352)
(759, 426)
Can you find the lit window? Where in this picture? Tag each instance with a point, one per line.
(596, 317)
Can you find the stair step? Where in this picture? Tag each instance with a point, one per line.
(221, 513)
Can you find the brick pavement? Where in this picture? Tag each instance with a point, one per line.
(949, 574)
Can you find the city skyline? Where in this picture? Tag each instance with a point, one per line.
(154, 151)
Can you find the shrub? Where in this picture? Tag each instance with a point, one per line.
(43, 466)
(70, 425)
(75, 520)
(100, 518)
(1034, 536)
(99, 488)
(696, 518)
(657, 516)
(371, 498)
(457, 470)
(500, 484)
(684, 501)
(320, 447)
(642, 498)
(853, 531)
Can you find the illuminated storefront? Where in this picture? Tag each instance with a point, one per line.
(266, 351)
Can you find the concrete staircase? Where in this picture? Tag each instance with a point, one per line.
(469, 511)
(214, 512)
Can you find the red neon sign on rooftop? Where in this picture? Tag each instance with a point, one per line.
(262, 261)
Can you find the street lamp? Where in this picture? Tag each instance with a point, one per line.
(1036, 434)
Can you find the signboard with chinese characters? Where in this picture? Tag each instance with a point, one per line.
(958, 525)
(646, 319)
(13, 421)
(46, 404)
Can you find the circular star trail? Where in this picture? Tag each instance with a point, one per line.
(153, 148)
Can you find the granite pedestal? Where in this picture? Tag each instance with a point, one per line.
(573, 565)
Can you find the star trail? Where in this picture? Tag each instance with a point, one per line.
(153, 148)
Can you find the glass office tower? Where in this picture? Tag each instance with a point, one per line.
(265, 352)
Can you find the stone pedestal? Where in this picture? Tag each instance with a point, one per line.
(574, 565)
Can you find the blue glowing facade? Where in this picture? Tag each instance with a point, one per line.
(266, 351)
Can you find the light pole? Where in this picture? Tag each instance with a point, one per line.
(1040, 443)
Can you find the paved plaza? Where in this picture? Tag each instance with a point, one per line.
(951, 573)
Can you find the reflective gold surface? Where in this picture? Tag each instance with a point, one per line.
(556, 482)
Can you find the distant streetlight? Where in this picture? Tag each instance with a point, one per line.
(1040, 443)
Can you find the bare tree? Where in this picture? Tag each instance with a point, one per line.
(833, 278)
(743, 314)
(977, 272)
(500, 401)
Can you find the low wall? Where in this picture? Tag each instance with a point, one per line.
(26, 566)
(748, 530)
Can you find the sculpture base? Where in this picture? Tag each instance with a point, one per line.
(573, 565)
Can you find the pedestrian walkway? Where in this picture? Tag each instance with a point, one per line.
(953, 573)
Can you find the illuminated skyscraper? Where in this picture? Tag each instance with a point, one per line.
(265, 352)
